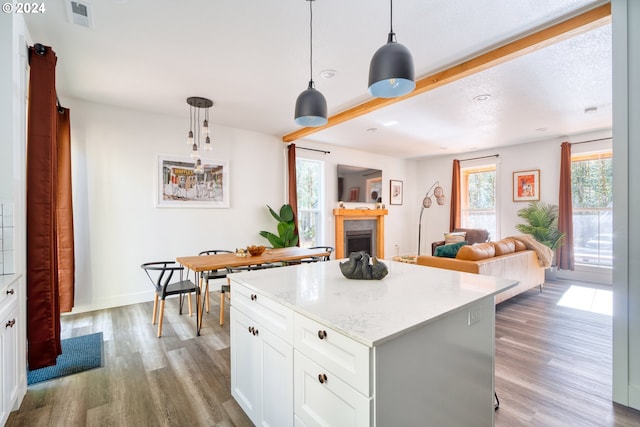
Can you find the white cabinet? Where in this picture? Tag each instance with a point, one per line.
(312, 348)
(261, 358)
(9, 327)
(321, 398)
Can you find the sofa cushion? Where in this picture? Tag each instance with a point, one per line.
(520, 246)
(450, 250)
(476, 252)
(504, 246)
(454, 237)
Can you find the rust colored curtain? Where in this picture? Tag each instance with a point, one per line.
(454, 214)
(293, 187)
(48, 196)
(565, 210)
(64, 214)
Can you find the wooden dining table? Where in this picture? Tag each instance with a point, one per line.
(201, 263)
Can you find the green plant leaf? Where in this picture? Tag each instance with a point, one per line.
(274, 214)
(286, 213)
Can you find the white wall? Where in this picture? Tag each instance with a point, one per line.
(13, 65)
(118, 227)
(626, 282)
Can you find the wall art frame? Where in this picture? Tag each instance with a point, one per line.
(395, 192)
(178, 186)
(526, 185)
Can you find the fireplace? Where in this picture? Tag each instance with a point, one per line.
(359, 221)
(358, 240)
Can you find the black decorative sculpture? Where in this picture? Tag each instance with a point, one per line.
(358, 267)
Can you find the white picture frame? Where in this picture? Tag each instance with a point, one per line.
(178, 186)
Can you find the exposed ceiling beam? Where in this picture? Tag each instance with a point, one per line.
(555, 33)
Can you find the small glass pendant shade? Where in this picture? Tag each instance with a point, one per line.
(311, 108)
(198, 167)
(207, 144)
(194, 152)
(391, 72)
(190, 138)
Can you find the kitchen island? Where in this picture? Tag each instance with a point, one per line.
(310, 347)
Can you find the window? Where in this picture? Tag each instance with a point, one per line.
(478, 198)
(309, 180)
(592, 199)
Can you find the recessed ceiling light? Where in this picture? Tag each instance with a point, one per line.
(591, 110)
(483, 97)
(372, 130)
(390, 123)
(541, 129)
(328, 74)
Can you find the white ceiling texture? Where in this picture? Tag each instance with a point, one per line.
(252, 59)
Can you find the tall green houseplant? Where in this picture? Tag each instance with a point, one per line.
(286, 228)
(542, 223)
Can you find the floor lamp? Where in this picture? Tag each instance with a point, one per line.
(437, 192)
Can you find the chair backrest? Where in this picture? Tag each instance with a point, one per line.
(474, 235)
(325, 248)
(215, 251)
(161, 272)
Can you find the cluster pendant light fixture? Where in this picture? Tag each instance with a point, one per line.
(199, 138)
(391, 72)
(311, 106)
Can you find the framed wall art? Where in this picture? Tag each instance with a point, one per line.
(179, 186)
(395, 192)
(526, 186)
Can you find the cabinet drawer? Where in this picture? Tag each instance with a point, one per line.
(273, 316)
(339, 354)
(322, 399)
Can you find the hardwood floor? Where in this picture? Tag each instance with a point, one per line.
(553, 368)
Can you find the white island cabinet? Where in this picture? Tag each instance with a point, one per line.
(312, 348)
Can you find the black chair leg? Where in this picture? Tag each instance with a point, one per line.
(497, 404)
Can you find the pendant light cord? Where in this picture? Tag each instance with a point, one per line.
(310, 43)
(391, 16)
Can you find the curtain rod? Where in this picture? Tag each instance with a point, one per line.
(478, 158)
(311, 149)
(591, 140)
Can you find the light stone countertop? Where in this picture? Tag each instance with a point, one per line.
(371, 311)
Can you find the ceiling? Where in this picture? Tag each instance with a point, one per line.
(252, 59)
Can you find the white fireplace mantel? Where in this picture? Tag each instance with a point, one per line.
(359, 214)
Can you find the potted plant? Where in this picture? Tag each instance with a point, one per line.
(286, 228)
(542, 223)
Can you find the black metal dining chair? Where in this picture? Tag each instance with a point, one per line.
(205, 276)
(161, 274)
(320, 258)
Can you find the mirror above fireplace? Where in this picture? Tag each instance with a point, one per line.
(359, 184)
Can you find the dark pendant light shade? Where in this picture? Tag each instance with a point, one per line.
(311, 108)
(391, 72)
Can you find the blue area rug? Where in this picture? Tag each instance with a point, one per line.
(78, 354)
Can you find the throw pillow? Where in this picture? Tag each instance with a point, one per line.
(454, 237)
(450, 250)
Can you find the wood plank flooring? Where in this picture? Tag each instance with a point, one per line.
(553, 368)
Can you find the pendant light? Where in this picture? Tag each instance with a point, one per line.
(198, 137)
(311, 107)
(391, 72)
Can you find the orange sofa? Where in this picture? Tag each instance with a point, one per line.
(507, 258)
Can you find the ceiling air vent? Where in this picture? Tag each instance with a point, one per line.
(79, 13)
